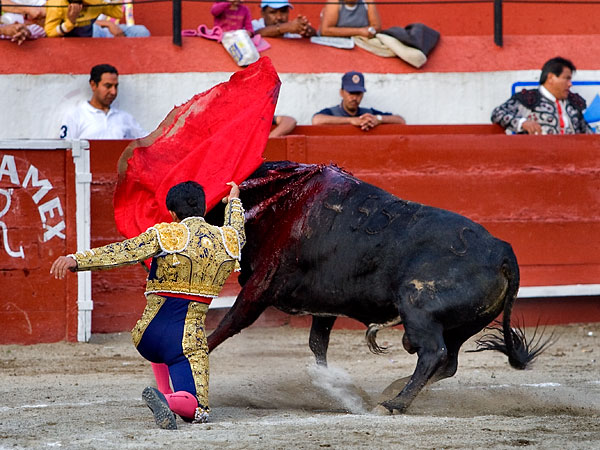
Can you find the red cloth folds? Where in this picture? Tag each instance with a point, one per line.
(217, 136)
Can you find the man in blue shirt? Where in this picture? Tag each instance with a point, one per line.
(350, 112)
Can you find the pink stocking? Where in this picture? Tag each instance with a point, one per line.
(182, 403)
(161, 373)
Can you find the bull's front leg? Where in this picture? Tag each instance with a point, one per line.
(319, 337)
(248, 306)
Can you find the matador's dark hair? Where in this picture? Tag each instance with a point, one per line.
(186, 200)
(555, 66)
(97, 71)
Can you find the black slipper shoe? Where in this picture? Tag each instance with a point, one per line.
(157, 403)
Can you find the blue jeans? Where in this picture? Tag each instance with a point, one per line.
(128, 30)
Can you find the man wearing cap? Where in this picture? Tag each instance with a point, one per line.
(350, 112)
(275, 21)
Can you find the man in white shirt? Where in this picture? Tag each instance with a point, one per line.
(550, 109)
(96, 119)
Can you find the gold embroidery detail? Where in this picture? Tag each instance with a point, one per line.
(153, 305)
(231, 242)
(200, 267)
(195, 349)
(173, 236)
(121, 253)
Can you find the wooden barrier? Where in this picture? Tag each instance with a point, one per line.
(37, 223)
(541, 194)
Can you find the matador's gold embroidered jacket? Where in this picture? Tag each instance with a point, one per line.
(191, 257)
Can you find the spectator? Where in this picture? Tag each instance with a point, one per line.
(96, 119)
(349, 111)
(24, 18)
(550, 109)
(78, 18)
(284, 125)
(275, 21)
(345, 18)
(21, 11)
(231, 15)
(16, 32)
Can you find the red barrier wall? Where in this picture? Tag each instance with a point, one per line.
(37, 223)
(541, 194)
(537, 193)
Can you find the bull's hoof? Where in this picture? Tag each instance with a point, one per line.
(393, 390)
(381, 410)
(393, 407)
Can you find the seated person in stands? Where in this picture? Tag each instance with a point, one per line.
(275, 21)
(16, 32)
(97, 119)
(231, 15)
(345, 18)
(550, 109)
(284, 125)
(350, 112)
(78, 18)
(25, 10)
(23, 14)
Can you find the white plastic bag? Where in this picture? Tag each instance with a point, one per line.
(241, 48)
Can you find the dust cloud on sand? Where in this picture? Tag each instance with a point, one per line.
(267, 393)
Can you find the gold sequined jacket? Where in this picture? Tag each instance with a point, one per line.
(189, 257)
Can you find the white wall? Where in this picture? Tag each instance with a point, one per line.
(31, 106)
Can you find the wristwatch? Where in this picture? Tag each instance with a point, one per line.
(372, 31)
(379, 118)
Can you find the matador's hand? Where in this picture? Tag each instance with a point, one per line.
(233, 193)
(61, 265)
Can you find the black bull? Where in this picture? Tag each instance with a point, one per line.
(322, 242)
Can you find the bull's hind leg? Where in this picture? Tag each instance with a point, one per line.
(454, 339)
(319, 337)
(433, 354)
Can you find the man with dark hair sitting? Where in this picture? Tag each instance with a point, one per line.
(190, 262)
(550, 109)
(275, 21)
(97, 119)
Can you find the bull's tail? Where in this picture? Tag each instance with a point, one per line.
(512, 341)
(371, 334)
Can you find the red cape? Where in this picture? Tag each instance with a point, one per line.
(217, 136)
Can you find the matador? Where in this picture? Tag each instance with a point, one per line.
(191, 260)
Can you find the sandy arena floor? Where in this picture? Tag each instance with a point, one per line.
(266, 393)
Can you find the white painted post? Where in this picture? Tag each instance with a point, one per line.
(83, 178)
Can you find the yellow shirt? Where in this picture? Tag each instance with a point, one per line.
(57, 24)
